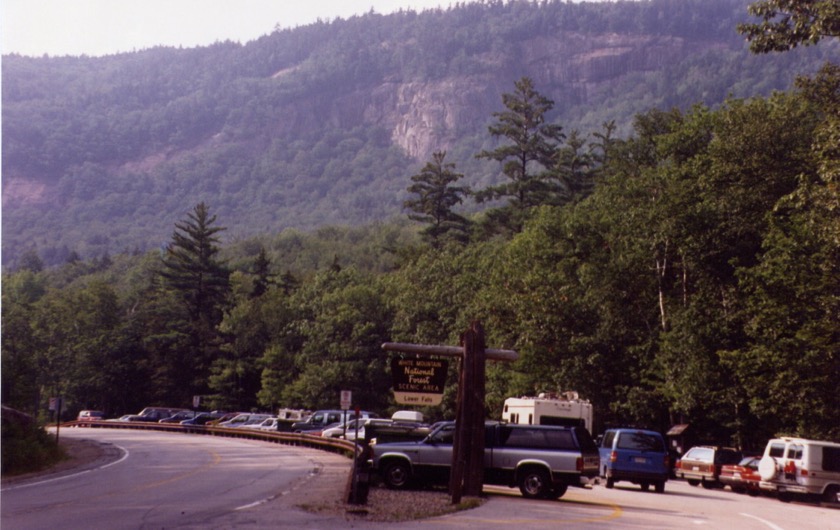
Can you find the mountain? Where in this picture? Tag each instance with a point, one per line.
(324, 124)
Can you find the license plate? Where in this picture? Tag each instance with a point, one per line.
(695, 468)
(737, 475)
(640, 460)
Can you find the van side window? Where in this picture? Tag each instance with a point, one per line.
(608, 439)
(777, 450)
(831, 459)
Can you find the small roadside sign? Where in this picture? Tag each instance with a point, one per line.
(346, 399)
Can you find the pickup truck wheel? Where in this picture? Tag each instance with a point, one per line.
(558, 491)
(659, 487)
(396, 474)
(831, 495)
(645, 486)
(534, 484)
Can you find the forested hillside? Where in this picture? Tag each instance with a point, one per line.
(686, 272)
(324, 124)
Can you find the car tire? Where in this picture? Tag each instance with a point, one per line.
(396, 474)
(535, 484)
(830, 495)
(558, 491)
(645, 486)
(768, 468)
(610, 483)
(693, 482)
(659, 487)
(707, 485)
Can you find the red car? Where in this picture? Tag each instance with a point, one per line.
(742, 477)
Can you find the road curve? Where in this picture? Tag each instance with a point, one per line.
(164, 480)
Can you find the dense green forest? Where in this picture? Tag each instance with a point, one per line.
(320, 125)
(686, 273)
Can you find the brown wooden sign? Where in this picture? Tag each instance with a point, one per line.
(419, 381)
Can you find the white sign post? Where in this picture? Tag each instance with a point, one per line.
(346, 399)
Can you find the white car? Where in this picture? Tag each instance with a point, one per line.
(245, 419)
(351, 432)
(269, 424)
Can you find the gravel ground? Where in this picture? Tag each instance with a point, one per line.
(385, 505)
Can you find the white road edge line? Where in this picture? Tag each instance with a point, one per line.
(768, 523)
(115, 462)
(269, 499)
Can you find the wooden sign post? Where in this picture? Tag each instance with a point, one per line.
(467, 471)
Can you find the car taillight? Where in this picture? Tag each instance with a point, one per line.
(613, 456)
(803, 472)
(579, 464)
(713, 469)
(678, 464)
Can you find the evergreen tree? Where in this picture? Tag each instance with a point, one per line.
(527, 160)
(435, 199)
(201, 283)
(572, 172)
(191, 268)
(262, 272)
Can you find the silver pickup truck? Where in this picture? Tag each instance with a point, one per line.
(543, 461)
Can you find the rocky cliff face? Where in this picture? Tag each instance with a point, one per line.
(425, 117)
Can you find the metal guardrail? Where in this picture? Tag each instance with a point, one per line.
(335, 445)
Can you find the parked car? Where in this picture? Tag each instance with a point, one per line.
(742, 477)
(400, 421)
(90, 415)
(244, 419)
(542, 460)
(227, 416)
(203, 418)
(353, 428)
(153, 414)
(799, 466)
(319, 419)
(635, 455)
(178, 417)
(269, 424)
(124, 417)
(702, 464)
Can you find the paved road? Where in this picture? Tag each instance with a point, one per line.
(160, 480)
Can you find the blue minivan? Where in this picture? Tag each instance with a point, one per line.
(636, 456)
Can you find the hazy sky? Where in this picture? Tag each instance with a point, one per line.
(101, 27)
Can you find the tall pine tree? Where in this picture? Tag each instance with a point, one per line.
(527, 160)
(435, 198)
(200, 281)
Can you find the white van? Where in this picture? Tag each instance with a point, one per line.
(799, 466)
